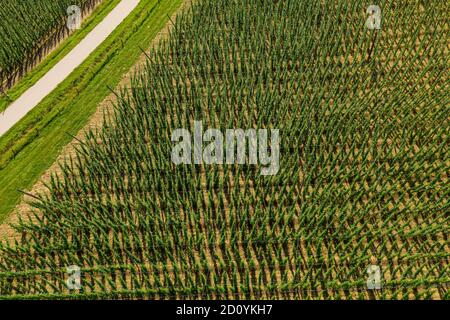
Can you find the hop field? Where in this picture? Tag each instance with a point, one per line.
(28, 30)
(363, 180)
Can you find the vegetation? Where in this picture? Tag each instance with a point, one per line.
(56, 54)
(34, 143)
(28, 30)
(363, 117)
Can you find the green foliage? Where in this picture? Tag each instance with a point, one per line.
(26, 27)
(364, 170)
(39, 136)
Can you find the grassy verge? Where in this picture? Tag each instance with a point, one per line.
(99, 13)
(34, 143)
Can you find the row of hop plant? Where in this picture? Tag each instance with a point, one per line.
(363, 176)
(30, 29)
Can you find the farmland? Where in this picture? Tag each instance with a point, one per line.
(34, 143)
(363, 178)
(29, 31)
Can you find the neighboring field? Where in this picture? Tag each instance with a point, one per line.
(39, 65)
(28, 29)
(365, 160)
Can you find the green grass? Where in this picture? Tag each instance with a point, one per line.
(57, 54)
(35, 142)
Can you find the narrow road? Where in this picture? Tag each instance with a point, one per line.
(31, 98)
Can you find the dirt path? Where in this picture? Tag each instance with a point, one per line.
(96, 121)
(34, 95)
